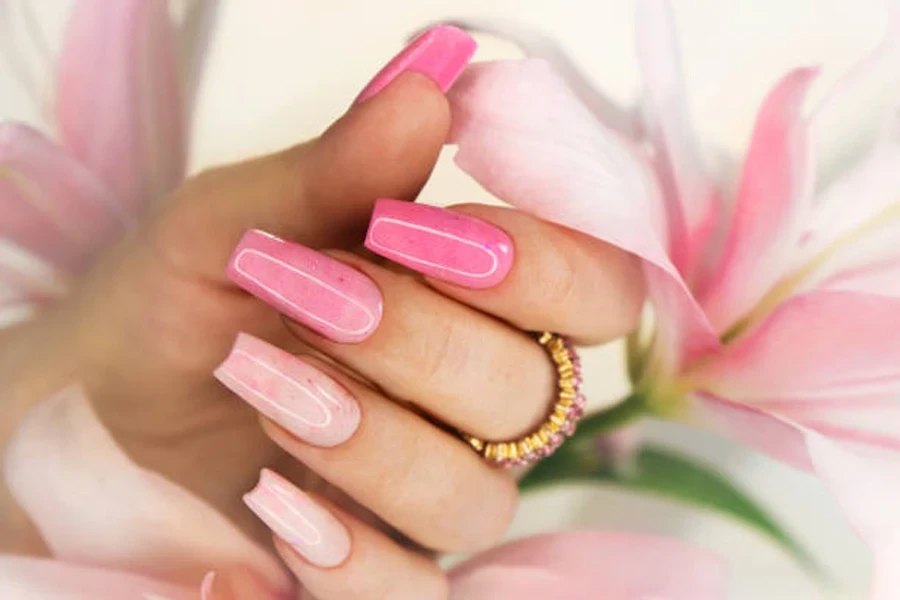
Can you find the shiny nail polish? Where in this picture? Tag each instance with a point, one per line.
(316, 290)
(294, 394)
(441, 54)
(310, 529)
(440, 243)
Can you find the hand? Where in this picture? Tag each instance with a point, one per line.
(147, 327)
(392, 361)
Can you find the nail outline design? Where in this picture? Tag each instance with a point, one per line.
(314, 289)
(373, 318)
(337, 409)
(495, 261)
(293, 516)
(440, 243)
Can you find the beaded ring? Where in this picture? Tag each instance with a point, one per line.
(567, 409)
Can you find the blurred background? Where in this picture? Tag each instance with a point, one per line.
(279, 71)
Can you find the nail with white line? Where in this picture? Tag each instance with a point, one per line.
(315, 533)
(316, 290)
(290, 392)
(440, 243)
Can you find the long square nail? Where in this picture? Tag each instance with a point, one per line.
(316, 290)
(292, 393)
(440, 243)
(441, 54)
(310, 529)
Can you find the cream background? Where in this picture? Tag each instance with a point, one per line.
(279, 71)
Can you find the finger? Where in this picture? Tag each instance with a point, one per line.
(466, 368)
(384, 456)
(337, 557)
(534, 274)
(322, 191)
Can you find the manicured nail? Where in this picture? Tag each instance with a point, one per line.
(314, 532)
(441, 54)
(297, 396)
(324, 294)
(440, 243)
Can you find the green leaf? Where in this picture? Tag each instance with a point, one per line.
(663, 472)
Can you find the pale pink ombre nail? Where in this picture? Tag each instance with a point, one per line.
(440, 243)
(316, 290)
(441, 54)
(294, 394)
(310, 529)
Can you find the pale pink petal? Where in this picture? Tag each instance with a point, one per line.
(581, 565)
(94, 506)
(818, 358)
(23, 578)
(26, 278)
(854, 112)
(825, 343)
(692, 197)
(537, 44)
(524, 135)
(118, 101)
(753, 427)
(772, 205)
(851, 243)
(867, 486)
(50, 204)
(862, 193)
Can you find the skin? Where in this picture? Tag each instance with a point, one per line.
(147, 326)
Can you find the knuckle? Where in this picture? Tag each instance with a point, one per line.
(445, 351)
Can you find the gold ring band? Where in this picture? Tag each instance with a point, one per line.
(565, 412)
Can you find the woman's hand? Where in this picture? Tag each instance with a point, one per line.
(359, 384)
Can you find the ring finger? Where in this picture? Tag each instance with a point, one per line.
(387, 458)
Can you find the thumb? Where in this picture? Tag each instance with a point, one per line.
(320, 192)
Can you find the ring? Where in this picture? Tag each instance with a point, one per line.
(567, 409)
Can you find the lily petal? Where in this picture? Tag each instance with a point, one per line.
(23, 578)
(118, 102)
(536, 44)
(852, 115)
(772, 204)
(753, 427)
(27, 279)
(576, 565)
(50, 204)
(527, 139)
(868, 488)
(692, 197)
(815, 358)
(94, 506)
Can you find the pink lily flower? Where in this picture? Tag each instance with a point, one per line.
(141, 536)
(775, 321)
(122, 146)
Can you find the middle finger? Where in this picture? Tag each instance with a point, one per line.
(467, 369)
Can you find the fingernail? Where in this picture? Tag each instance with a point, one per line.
(316, 290)
(441, 54)
(297, 396)
(440, 243)
(311, 530)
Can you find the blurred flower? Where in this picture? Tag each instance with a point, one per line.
(120, 116)
(576, 565)
(776, 313)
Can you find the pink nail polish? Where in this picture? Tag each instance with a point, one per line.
(297, 396)
(440, 243)
(315, 533)
(441, 54)
(324, 294)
